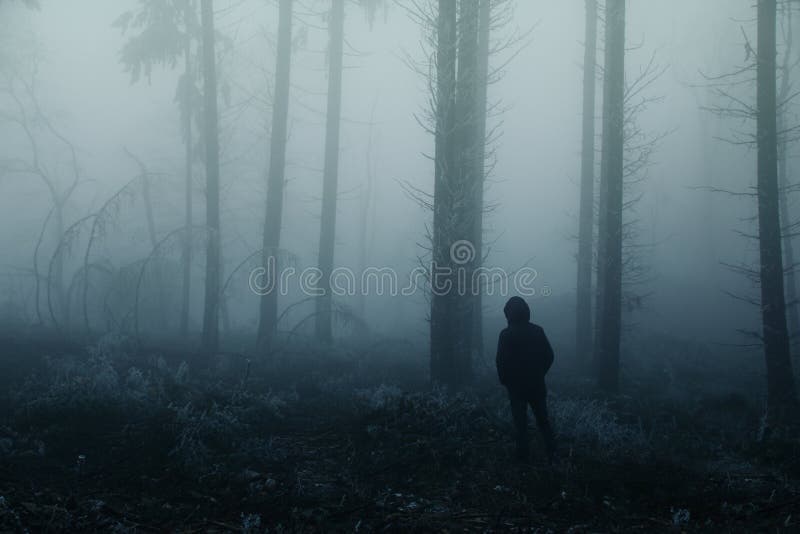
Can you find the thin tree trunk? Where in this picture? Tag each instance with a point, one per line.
(612, 174)
(186, 258)
(788, 245)
(780, 380)
(268, 313)
(783, 178)
(602, 197)
(481, 109)
(468, 182)
(441, 332)
(57, 280)
(211, 131)
(148, 208)
(366, 205)
(37, 276)
(330, 178)
(583, 322)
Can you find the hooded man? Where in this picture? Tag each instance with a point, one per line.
(524, 356)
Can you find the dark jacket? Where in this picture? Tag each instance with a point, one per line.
(524, 354)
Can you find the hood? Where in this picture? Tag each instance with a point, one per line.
(517, 310)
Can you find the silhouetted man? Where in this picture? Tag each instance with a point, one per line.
(524, 356)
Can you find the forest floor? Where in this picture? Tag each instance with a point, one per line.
(96, 439)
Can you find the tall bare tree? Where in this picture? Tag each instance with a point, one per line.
(780, 380)
(441, 319)
(187, 93)
(784, 96)
(467, 139)
(330, 175)
(211, 136)
(583, 322)
(481, 110)
(612, 174)
(268, 312)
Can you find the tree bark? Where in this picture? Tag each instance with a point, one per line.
(367, 209)
(330, 178)
(276, 178)
(481, 110)
(612, 177)
(186, 259)
(211, 133)
(783, 180)
(780, 380)
(788, 246)
(583, 320)
(441, 328)
(468, 181)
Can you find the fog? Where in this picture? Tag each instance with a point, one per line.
(532, 190)
(297, 391)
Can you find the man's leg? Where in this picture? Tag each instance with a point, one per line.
(539, 406)
(519, 411)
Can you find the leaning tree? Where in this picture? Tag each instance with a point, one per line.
(167, 34)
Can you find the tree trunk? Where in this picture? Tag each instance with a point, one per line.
(366, 210)
(612, 177)
(211, 133)
(268, 312)
(481, 107)
(148, 208)
(788, 245)
(780, 380)
(783, 180)
(186, 258)
(57, 281)
(441, 328)
(330, 177)
(583, 320)
(58, 269)
(468, 181)
(602, 198)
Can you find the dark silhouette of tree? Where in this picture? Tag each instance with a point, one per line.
(268, 312)
(481, 111)
(211, 136)
(442, 329)
(770, 137)
(787, 65)
(330, 174)
(188, 95)
(780, 380)
(457, 41)
(611, 191)
(469, 169)
(583, 322)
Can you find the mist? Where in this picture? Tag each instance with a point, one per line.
(223, 224)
